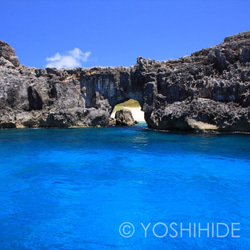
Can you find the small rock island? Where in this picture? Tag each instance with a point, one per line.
(207, 91)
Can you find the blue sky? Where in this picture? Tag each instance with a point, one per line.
(115, 32)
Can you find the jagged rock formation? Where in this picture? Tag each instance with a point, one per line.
(124, 118)
(209, 90)
(8, 53)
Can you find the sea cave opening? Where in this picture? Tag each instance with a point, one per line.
(132, 105)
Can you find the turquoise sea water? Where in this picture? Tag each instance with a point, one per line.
(73, 189)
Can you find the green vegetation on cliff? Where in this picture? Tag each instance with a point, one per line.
(131, 103)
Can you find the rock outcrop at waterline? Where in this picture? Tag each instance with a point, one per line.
(209, 90)
(124, 118)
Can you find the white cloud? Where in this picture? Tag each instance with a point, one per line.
(74, 58)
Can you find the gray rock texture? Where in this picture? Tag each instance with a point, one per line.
(124, 118)
(209, 90)
(7, 52)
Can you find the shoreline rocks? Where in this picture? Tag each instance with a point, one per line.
(124, 118)
(207, 91)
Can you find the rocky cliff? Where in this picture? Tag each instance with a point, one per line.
(209, 90)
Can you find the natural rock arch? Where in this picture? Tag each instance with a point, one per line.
(107, 87)
(209, 89)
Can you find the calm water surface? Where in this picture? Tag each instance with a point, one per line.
(73, 188)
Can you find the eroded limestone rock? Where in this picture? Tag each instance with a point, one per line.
(208, 90)
(124, 117)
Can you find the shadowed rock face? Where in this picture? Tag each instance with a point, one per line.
(209, 90)
(124, 118)
(103, 88)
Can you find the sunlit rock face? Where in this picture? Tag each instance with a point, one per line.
(209, 90)
(212, 86)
